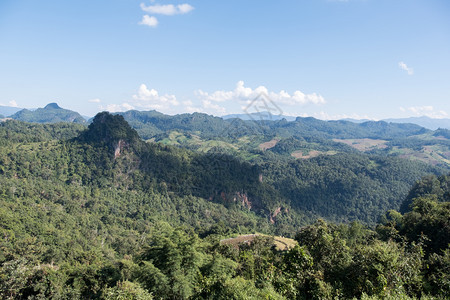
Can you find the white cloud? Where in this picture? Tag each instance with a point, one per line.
(420, 109)
(95, 100)
(404, 67)
(150, 21)
(246, 94)
(239, 100)
(426, 110)
(146, 99)
(168, 10)
(13, 103)
(150, 99)
(325, 116)
(189, 107)
(185, 8)
(117, 107)
(213, 108)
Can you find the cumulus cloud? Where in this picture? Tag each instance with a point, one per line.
(189, 107)
(241, 99)
(150, 21)
(95, 100)
(247, 95)
(146, 99)
(168, 9)
(404, 67)
(209, 106)
(185, 8)
(150, 99)
(13, 103)
(117, 107)
(325, 116)
(426, 110)
(418, 109)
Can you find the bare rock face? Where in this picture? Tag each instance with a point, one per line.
(243, 199)
(118, 148)
(239, 197)
(273, 216)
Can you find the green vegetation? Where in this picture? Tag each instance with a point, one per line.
(51, 113)
(15, 132)
(202, 132)
(97, 213)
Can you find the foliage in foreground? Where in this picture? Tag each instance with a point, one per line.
(331, 261)
(77, 222)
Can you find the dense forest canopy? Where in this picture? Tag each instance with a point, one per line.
(98, 213)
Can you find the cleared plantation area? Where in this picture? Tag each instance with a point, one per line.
(306, 154)
(269, 144)
(281, 243)
(363, 144)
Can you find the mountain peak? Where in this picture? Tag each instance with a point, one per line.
(52, 106)
(110, 130)
(51, 113)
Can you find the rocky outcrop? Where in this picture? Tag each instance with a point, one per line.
(239, 197)
(118, 148)
(273, 216)
(243, 199)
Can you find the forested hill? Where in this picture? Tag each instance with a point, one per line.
(301, 138)
(341, 187)
(51, 113)
(286, 193)
(151, 123)
(98, 213)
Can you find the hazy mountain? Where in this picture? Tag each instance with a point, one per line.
(8, 110)
(424, 121)
(358, 121)
(51, 113)
(261, 116)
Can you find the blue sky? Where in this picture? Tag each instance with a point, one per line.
(323, 58)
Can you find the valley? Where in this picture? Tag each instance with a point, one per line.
(151, 210)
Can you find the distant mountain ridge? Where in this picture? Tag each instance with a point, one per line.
(7, 111)
(259, 116)
(427, 122)
(51, 113)
(150, 124)
(423, 121)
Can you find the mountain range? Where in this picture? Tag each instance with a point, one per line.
(53, 113)
(291, 147)
(423, 121)
(6, 111)
(137, 205)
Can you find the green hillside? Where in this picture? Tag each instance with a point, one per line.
(51, 113)
(97, 213)
(296, 138)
